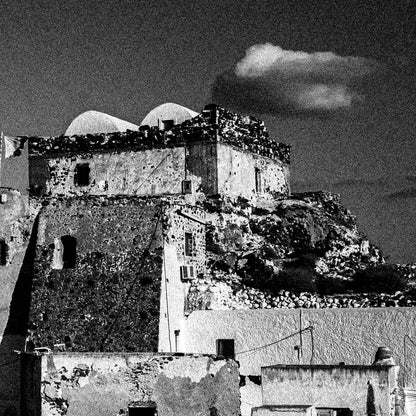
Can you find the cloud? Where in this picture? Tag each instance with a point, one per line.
(271, 79)
(404, 194)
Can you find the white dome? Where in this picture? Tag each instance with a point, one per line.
(92, 122)
(168, 111)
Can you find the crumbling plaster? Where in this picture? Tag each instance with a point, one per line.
(97, 384)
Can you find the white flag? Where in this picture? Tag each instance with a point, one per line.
(11, 145)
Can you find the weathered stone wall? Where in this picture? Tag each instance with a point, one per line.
(108, 384)
(109, 300)
(358, 388)
(149, 172)
(236, 174)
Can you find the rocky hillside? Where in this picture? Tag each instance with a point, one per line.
(299, 252)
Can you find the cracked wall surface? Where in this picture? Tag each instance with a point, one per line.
(108, 384)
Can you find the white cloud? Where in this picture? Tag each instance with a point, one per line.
(300, 81)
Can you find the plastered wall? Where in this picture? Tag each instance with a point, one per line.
(147, 172)
(268, 337)
(108, 384)
(236, 174)
(358, 388)
(178, 219)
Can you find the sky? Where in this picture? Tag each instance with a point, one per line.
(335, 79)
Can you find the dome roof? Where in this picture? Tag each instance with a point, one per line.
(92, 122)
(168, 111)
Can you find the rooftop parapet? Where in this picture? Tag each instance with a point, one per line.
(213, 124)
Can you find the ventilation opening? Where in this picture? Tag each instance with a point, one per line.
(258, 180)
(82, 174)
(225, 348)
(3, 253)
(186, 187)
(189, 245)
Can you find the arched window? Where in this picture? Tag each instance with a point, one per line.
(65, 252)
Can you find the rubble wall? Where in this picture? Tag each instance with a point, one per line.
(149, 172)
(109, 300)
(236, 174)
(108, 384)
(268, 337)
(357, 388)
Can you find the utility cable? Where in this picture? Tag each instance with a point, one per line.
(153, 171)
(309, 328)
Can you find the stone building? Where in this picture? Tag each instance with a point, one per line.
(108, 239)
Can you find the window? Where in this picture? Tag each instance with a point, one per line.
(3, 253)
(189, 245)
(225, 348)
(258, 179)
(143, 409)
(333, 412)
(82, 174)
(167, 124)
(65, 252)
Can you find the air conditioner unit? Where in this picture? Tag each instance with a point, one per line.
(187, 272)
(3, 198)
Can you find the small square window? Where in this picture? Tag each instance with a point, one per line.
(190, 250)
(82, 174)
(225, 348)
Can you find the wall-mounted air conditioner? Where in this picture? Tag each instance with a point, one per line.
(187, 272)
(3, 198)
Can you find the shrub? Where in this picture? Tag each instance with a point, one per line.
(328, 285)
(294, 280)
(379, 279)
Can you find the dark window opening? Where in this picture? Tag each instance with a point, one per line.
(225, 348)
(189, 245)
(258, 180)
(3, 253)
(69, 255)
(333, 412)
(168, 124)
(142, 410)
(82, 174)
(186, 187)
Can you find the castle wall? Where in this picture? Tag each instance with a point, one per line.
(237, 174)
(357, 388)
(108, 298)
(146, 172)
(110, 384)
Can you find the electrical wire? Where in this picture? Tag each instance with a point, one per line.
(309, 328)
(9, 362)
